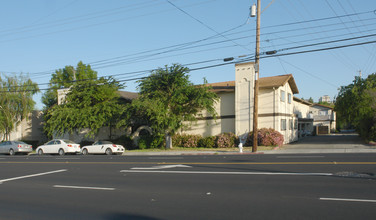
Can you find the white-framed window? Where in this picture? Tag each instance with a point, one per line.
(283, 124)
(289, 98)
(283, 95)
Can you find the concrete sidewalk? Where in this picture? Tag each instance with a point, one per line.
(334, 143)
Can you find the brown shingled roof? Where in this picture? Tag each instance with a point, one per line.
(228, 86)
(277, 81)
(265, 82)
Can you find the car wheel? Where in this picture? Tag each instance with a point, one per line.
(61, 152)
(85, 152)
(40, 152)
(11, 152)
(108, 151)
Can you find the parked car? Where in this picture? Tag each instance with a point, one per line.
(59, 146)
(13, 147)
(103, 147)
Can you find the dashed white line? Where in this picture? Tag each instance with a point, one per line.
(225, 173)
(83, 187)
(32, 175)
(300, 157)
(348, 200)
(68, 158)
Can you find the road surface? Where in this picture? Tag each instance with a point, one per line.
(311, 186)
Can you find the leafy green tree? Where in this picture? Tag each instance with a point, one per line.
(90, 104)
(167, 100)
(355, 106)
(311, 100)
(64, 78)
(16, 101)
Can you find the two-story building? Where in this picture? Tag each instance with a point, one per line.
(277, 106)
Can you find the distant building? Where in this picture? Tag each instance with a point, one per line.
(325, 98)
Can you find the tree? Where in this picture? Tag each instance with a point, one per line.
(310, 100)
(167, 100)
(90, 104)
(16, 101)
(64, 78)
(355, 106)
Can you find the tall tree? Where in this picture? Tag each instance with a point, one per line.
(64, 78)
(355, 106)
(168, 99)
(16, 101)
(90, 104)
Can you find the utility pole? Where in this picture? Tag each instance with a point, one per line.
(257, 76)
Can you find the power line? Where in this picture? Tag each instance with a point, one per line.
(116, 61)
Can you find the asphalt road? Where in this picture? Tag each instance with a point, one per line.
(312, 186)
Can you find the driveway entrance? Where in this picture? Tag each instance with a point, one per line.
(332, 143)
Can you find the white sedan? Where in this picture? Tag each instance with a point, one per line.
(103, 147)
(59, 146)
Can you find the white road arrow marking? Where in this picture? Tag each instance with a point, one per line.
(160, 167)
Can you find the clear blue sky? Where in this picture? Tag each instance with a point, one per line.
(118, 37)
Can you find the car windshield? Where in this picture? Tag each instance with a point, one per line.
(68, 141)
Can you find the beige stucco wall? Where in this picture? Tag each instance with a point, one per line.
(225, 121)
(244, 101)
(272, 111)
(302, 110)
(30, 129)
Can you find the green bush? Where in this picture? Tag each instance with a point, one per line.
(151, 141)
(227, 140)
(208, 142)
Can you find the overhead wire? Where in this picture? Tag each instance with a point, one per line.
(96, 63)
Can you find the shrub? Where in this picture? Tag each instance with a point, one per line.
(151, 141)
(227, 140)
(125, 141)
(266, 137)
(185, 140)
(208, 142)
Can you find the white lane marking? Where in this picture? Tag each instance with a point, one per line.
(83, 187)
(300, 156)
(32, 175)
(160, 167)
(165, 158)
(67, 158)
(225, 173)
(348, 200)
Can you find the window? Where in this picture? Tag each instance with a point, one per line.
(296, 124)
(283, 124)
(290, 124)
(283, 95)
(289, 98)
(323, 112)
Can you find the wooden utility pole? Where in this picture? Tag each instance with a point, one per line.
(257, 76)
